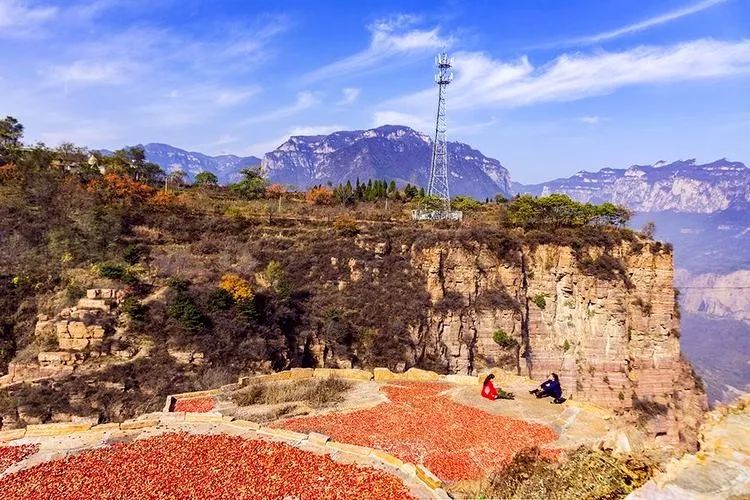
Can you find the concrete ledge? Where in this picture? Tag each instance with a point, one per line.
(460, 379)
(283, 434)
(349, 448)
(174, 416)
(384, 375)
(318, 439)
(419, 375)
(206, 418)
(349, 373)
(387, 458)
(131, 425)
(301, 373)
(244, 424)
(12, 434)
(112, 426)
(428, 478)
(59, 429)
(409, 469)
(196, 394)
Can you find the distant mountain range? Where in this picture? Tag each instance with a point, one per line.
(225, 167)
(389, 152)
(681, 186)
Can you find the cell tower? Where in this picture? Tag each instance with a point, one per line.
(438, 184)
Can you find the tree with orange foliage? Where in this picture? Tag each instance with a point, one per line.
(123, 186)
(276, 191)
(237, 286)
(320, 195)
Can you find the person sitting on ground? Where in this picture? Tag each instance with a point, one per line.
(489, 391)
(550, 387)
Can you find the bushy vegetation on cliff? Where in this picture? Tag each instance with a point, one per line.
(250, 275)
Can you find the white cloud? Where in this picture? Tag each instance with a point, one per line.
(18, 17)
(390, 40)
(482, 81)
(92, 72)
(305, 100)
(194, 104)
(645, 24)
(590, 120)
(348, 96)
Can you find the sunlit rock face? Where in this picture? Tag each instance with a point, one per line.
(614, 342)
(681, 186)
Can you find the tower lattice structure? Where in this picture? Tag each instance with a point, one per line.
(438, 183)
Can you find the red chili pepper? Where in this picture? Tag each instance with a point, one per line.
(194, 405)
(420, 425)
(189, 466)
(10, 455)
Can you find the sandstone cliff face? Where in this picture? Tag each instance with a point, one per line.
(717, 295)
(614, 342)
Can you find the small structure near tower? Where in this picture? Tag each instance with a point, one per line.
(437, 187)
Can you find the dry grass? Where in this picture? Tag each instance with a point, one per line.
(317, 393)
(582, 474)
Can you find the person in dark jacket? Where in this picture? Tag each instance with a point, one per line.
(550, 388)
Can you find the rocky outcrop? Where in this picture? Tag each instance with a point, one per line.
(721, 469)
(77, 331)
(613, 340)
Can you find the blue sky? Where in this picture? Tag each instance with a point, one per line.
(546, 87)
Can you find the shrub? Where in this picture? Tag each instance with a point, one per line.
(540, 300)
(220, 300)
(133, 253)
(117, 272)
(566, 345)
(320, 195)
(75, 291)
(531, 476)
(503, 340)
(134, 308)
(346, 225)
(317, 393)
(465, 204)
(253, 186)
(237, 286)
(184, 310)
(206, 179)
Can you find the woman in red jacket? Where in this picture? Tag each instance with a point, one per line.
(489, 391)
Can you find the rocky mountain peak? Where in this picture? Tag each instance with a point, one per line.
(388, 152)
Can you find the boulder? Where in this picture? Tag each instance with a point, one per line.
(417, 374)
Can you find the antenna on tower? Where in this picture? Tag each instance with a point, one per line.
(437, 186)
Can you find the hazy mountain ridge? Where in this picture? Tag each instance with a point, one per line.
(225, 167)
(680, 186)
(388, 152)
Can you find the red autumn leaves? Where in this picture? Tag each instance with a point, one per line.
(185, 466)
(10, 455)
(194, 405)
(419, 425)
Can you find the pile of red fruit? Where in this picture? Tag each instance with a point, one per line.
(420, 425)
(184, 466)
(194, 405)
(10, 455)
